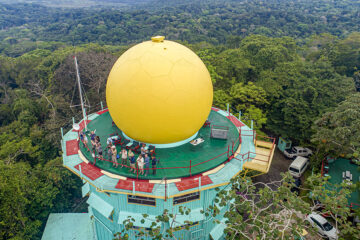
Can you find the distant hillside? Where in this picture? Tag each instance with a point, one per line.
(81, 3)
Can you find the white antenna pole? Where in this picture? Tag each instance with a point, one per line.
(81, 97)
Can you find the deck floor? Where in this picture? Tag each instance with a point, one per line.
(336, 169)
(176, 158)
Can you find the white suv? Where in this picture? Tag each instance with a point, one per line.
(323, 226)
(293, 152)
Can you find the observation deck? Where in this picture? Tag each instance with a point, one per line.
(174, 162)
(210, 164)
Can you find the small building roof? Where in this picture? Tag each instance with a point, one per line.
(65, 226)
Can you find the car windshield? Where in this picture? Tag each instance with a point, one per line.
(294, 169)
(327, 226)
(293, 150)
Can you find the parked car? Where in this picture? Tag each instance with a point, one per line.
(296, 187)
(298, 166)
(324, 228)
(293, 152)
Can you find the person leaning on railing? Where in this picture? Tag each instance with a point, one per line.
(147, 164)
(123, 157)
(114, 156)
(132, 161)
(140, 162)
(153, 163)
(84, 139)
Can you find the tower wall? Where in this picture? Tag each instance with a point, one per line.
(107, 227)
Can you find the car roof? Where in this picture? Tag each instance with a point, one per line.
(299, 148)
(298, 162)
(319, 218)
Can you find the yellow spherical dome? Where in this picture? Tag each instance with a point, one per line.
(159, 92)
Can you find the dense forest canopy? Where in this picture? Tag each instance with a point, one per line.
(191, 21)
(288, 65)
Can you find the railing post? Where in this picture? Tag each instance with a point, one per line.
(165, 189)
(102, 106)
(62, 133)
(137, 173)
(227, 107)
(80, 171)
(190, 168)
(85, 125)
(239, 115)
(252, 124)
(133, 187)
(73, 120)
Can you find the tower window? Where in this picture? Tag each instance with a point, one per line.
(142, 200)
(186, 198)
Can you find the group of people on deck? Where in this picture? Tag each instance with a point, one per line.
(143, 161)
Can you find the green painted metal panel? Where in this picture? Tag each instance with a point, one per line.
(194, 216)
(123, 215)
(100, 205)
(218, 231)
(85, 189)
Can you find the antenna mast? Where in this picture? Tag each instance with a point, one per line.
(80, 92)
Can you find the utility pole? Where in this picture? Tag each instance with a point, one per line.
(80, 92)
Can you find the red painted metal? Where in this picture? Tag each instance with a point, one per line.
(235, 121)
(192, 182)
(89, 170)
(103, 111)
(72, 147)
(125, 184)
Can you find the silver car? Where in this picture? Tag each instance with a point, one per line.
(323, 226)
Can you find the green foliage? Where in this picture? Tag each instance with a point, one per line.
(207, 20)
(338, 132)
(272, 211)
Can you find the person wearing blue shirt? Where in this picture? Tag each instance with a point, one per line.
(147, 164)
(93, 140)
(153, 163)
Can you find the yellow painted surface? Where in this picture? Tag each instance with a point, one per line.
(159, 92)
